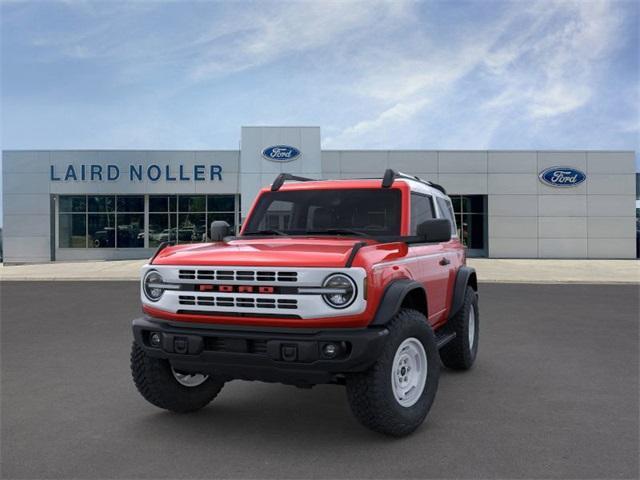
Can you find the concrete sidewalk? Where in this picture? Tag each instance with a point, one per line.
(489, 270)
(556, 271)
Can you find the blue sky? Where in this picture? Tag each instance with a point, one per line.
(403, 74)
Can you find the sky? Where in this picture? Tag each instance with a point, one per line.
(372, 74)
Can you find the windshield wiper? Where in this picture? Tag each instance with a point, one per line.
(338, 231)
(266, 232)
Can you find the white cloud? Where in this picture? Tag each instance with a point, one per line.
(281, 29)
(398, 113)
(539, 59)
(406, 87)
(231, 37)
(558, 98)
(571, 69)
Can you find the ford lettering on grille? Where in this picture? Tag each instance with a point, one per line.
(236, 288)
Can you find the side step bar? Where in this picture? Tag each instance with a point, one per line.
(442, 338)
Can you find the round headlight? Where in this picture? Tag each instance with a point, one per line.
(340, 290)
(152, 286)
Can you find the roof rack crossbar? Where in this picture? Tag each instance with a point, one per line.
(283, 177)
(390, 175)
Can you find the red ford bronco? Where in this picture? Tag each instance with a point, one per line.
(361, 283)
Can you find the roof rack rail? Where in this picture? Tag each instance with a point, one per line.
(390, 175)
(283, 177)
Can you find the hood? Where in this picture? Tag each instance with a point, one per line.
(272, 252)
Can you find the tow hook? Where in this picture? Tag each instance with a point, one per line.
(289, 353)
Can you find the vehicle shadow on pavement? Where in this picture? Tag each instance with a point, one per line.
(317, 415)
(264, 410)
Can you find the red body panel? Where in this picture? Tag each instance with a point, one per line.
(382, 262)
(273, 252)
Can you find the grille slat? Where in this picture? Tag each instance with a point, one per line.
(287, 276)
(238, 302)
(206, 275)
(187, 274)
(237, 275)
(287, 303)
(207, 301)
(266, 276)
(225, 301)
(245, 276)
(265, 303)
(187, 300)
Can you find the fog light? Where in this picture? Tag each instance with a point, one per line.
(155, 339)
(330, 350)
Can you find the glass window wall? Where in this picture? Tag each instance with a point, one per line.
(471, 217)
(101, 221)
(162, 219)
(73, 230)
(118, 221)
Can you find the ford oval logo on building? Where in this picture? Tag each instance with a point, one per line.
(562, 177)
(281, 153)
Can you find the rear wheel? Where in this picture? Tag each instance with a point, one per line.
(164, 387)
(395, 395)
(461, 352)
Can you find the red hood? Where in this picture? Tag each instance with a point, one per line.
(272, 252)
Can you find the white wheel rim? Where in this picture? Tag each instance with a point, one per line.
(189, 379)
(409, 372)
(472, 326)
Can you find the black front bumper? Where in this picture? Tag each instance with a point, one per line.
(294, 356)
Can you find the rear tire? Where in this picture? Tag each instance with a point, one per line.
(382, 398)
(461, 352)
(159, 385)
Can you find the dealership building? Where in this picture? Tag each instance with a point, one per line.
(121, 204)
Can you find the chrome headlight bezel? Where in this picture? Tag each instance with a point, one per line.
(152, 277)
(346, 283)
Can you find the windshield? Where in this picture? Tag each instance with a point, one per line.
(374, 212)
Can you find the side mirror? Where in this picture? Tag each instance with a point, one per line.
(219, 230)
(435, 230)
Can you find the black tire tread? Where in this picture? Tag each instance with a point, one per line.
(456, 354)
(155, 382)
(368, 392)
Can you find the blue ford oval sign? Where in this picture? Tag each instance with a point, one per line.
(281, 153)
(562, 177)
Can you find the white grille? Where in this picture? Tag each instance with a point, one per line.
(287, 280)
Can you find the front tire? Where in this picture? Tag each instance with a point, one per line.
(171, 390)
(395, 395)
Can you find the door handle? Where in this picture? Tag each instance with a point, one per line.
(444, 261)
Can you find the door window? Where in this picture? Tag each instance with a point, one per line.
(421, 210)
(447, 212)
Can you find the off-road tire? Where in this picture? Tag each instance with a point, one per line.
(458, 354)
(155, 382)
(370, 393)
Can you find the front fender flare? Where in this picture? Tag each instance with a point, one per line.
(392, 299)
(465, 276)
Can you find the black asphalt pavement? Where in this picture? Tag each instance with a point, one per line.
(554, 394)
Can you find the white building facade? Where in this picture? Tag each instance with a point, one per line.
(121, 204)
